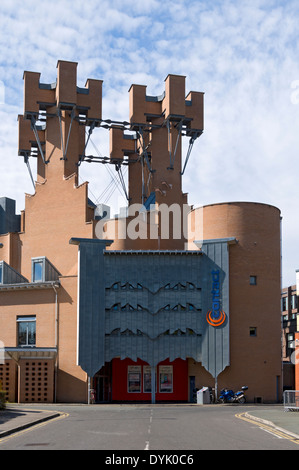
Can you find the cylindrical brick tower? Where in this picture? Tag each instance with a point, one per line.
(254, 290)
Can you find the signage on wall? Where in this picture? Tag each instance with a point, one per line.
(216, 316)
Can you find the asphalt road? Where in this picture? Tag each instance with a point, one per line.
(150, 428)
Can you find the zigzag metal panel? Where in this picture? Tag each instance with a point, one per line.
(151, 305)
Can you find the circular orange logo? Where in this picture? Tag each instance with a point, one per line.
(216, 321)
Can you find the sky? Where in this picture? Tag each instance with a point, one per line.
(242, 54)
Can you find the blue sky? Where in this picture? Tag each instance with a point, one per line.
(242, 54)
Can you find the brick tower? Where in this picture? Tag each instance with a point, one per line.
(156, 166)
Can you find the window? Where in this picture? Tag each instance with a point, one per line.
(134, 379)
(293, 299)
(43, 271)
(26, 331)
(1, 273)
(252, 331)
(127, 307)
(38, 275)
(284, 304)
(291, 341)
(165, 379)
(252, 280)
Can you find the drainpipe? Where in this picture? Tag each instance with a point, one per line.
(89, 390)
(19, 381)
(56, 338)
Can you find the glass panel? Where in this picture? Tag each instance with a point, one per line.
(38, 271)
(134, 379)
(166, 377)
(31, 333)
(252, 331)
(1, 271)
(22, 333)
(26, 332)
(294, 298)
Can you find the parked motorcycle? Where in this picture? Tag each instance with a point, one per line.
(229, 396)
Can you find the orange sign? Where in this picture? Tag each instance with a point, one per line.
(216, 321)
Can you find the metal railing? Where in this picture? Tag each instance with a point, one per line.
(291, 400)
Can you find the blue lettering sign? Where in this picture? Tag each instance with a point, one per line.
(216, 317)
(215, 294)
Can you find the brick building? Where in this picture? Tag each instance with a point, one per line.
(144, 307)
(290, 335)
(289, 309)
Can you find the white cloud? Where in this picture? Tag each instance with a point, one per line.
(243, 55)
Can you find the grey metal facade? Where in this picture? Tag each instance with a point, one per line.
(9, 221)
(8, 275)
(151, 305)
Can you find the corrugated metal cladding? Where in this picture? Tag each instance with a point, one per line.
(151, 306)
(10, 275)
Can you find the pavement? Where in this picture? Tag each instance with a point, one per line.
(277, 417)
(17, 417)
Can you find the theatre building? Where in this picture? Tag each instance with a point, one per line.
(141, 308)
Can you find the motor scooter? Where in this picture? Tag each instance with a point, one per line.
(229, 396)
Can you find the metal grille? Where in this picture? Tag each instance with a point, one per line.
(291, 400)
(36, 381)
(8, 379)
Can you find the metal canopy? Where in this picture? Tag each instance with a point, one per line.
(28, 353)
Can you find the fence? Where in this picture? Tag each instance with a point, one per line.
(291, 400)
